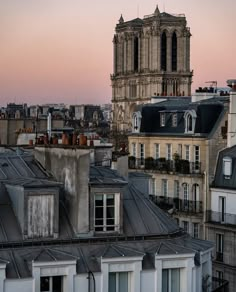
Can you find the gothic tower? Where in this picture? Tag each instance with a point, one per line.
(151, 58)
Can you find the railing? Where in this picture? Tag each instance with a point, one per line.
(219, 285)
(161, 164)
(177, 204)
(219, 217)
(219, 256)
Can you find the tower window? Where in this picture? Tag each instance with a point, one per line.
(174, 52)
(136, 53)
(163, 51)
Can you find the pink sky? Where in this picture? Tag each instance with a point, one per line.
(61, 50)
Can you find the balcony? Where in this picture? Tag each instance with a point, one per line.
(221, 218)
(219, 256)
(162, 165)
(219, 285)
(179, 205)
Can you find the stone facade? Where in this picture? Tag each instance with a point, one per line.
(151, 58)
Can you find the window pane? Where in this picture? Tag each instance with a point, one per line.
(110, 222)
(99, 200)
(57, 284)
(165, 280)
(44, 284)
(112, 282)
(110, 212)
(175, 283)
(123, 282)
(99, 212)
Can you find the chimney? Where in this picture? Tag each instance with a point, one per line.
(49, 125)
(231, 135)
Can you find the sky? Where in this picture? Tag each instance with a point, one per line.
(60, 51)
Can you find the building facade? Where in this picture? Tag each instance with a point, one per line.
(151, 58)
(175, 141)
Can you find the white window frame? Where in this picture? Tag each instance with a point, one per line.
(185, 225)
(162, 119)
(174, 120)
(51, 283)
(157, 151)
(196, 230)
(168, 151)
(169, 280)
(152, 186)
(164, 188)
(107, 228)
(117, 281)
(176, 189)
(134, 149)
(142, 153)
(220, 243)
(187, 152)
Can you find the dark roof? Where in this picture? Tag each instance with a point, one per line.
(208, 113)
(220, 181)
(147, 229)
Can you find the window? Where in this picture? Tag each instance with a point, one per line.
(174, 52)
(174, 120)
(187, 152)
(136, 53)
(176, 189)
(152, 189)
(186, 195)
(180, 150)
(196, 158)
(190, 121)
(219, 275)
(227, 167)
(171, 280)
(142, 153)
(164, 188)
(219, 247)
(119, 282)
(51, 284)
(195, 230)
(157, 151)
(168, 152)
(222, 205)
(163, 51)
(162, 119)
(196, 202)
(185, 226)
(134, 149)
(106, 212)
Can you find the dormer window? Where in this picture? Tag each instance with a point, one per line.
(106, 217)
(174, 120)
(136, 123)
(190, 121)
(227, 167)
(162, 119)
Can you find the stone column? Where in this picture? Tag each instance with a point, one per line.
(125, 55)
(158, 52)
(154, 51)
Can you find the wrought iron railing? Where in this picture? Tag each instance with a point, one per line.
(161, 164)
(180, 205)
(220, 217)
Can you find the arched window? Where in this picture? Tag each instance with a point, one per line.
(136, 122)
(136, 53)
(190, 121)
(163, 51)
(174, 52)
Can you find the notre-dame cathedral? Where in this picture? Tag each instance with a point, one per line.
(151, 58)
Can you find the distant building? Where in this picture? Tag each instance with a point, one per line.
(151, 58)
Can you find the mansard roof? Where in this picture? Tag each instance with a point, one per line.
(145, 227)
(220, 181)
(209, 113)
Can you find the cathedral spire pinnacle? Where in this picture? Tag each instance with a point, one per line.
(157, 11)
(121, 20)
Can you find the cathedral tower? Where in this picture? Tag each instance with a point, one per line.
(151, 58)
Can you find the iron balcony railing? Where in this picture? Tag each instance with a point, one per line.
(219, 285)
(220, 217)
(180, 205)
(177, 166)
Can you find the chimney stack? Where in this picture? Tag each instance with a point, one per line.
(231, 136)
